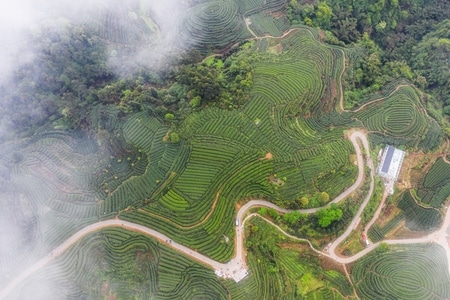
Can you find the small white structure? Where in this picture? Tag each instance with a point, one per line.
(391, 163)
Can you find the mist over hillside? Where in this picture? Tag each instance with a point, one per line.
(54, 55)
(53, 51)
(171, 114)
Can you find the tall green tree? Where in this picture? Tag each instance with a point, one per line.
(324, 13)
(328, 215)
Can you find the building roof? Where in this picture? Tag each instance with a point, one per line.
(391, 163)
(387, 159)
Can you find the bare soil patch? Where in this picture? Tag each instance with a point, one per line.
(329, 264)
(278, 14)
(296, 246)
(387, 214)
(268, 156)
(333, 90)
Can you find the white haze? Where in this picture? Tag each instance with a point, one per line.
(22, 16)
(19, 18)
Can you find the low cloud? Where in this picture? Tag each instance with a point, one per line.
(149, 31)
(154, 24)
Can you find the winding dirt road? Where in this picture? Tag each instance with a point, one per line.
(377, 213)
(236, 268)
(233, 269)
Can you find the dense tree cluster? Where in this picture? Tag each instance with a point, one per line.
(223, 82)
(68, 66)
(329, 215)
(400, 38)
(70, 71)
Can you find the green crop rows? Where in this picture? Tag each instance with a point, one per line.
(413, 272)
(438, 175)
(51, 178)
(112, 22)
(286, 142)
(152, 163)
(435, 188)
(400, 119)
(399, 116)
(249, 7)
(377, 233)
(225, 162)
(298, 275)
(416, 216)
(213, 24)
(125, 264)
(263, 24)
(219, 23)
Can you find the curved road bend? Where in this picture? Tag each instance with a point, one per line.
(348, 231)
(331, 251)
(226, 269)
(440, 237)
(236, 267)
(354, 136)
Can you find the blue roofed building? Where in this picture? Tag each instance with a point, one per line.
(391, 163)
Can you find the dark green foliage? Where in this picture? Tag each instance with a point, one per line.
(292, 217)
(272, 213)
(430, 59)
(289, 274)
(319, 15)
(377, 233)
(216, 82)
(329, 215)
(416, 216)
(204, 81)
(56, 82)
(435, 188)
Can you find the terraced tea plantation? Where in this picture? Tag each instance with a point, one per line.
(125, 265)
(435, 188)
(226, 157)
(186, 190)
(400, 119)
(213, 24)
(288, 141)
(118, 263)
(50, 180)
(263, 24)
(249, 7)
(408, 272)
(377, 233)
(418, 217)
(218, 24)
